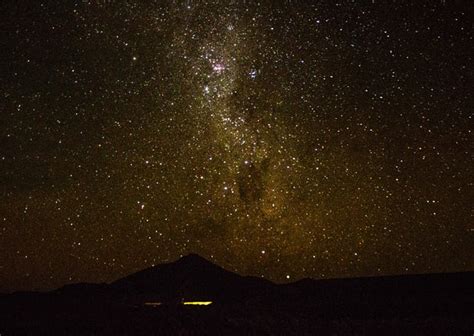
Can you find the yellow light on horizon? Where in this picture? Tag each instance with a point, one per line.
(197, 303)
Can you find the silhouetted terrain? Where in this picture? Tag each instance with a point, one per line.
(437, 304)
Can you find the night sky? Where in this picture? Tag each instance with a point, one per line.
(280, 140)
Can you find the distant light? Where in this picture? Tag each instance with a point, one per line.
(153, 304)
(197, 303)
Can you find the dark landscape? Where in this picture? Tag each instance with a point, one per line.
(152, 302)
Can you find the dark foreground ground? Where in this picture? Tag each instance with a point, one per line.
(437, 304)
(218, 320)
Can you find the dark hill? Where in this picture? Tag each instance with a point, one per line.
(431, 304)
(192, 278)
(387, 296)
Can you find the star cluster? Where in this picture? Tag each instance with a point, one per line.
(279, 140)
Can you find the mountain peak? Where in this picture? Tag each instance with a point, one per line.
(194, 259)
(192, 256)
(191, 277)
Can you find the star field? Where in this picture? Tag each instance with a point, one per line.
(279, 140)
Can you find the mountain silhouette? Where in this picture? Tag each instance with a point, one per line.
(151, 301)
(192, 278)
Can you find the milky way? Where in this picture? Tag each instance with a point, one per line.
(283, 141)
